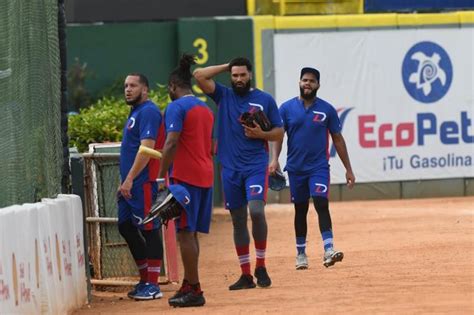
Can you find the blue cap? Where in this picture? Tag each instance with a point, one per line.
(181, 195)
(310, 70)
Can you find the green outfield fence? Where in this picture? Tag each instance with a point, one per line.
(32, 133)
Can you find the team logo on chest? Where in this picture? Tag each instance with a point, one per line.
(131, 123)
(255, 107)
(319, 116)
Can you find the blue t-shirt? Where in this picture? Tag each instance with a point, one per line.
(308, 134)
(192, 163)
(234, 150)
(143, 122)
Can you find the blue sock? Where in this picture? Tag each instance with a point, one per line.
(301, 244)
(327, 240)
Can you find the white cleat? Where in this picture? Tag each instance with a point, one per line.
(301, 262)
(331, 257)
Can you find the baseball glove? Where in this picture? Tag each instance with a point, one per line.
(165, 208)
(277, 181)
(259, 117)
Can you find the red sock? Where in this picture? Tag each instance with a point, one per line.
(154, 268)
(260, 248)
(142, 269)
(244, 258)
(185, 286)
(196, 288)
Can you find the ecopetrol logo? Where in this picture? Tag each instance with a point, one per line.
(373, 134)
(427, 75)
(427, 72)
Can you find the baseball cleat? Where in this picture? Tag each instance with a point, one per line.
(263, 280)
(331, 257)
(148, 292)
(244, 282)
(185, 288)
(301, 261)
(131, 294)
(188, 300)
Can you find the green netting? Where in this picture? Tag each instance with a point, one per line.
(30, 120)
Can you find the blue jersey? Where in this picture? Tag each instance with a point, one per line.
(234, 150)
(143, 122)
(308, 134)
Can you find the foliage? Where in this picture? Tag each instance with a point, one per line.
(160, 96)
(103, 121)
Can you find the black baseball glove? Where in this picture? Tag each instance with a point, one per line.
(259, 117)
(165, 208)
(277, 181)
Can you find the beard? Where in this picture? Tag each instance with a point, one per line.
(241, 90)
(134, 101)
(172, 96)
(309, 96)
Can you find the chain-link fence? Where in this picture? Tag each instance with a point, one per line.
(111, 260)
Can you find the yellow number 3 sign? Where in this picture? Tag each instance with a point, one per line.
(201, 45)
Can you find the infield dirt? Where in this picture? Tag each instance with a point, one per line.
(401, 257)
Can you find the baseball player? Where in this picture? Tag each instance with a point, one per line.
(188, 154)
(308, 121)
(243, 154)
(138, 187)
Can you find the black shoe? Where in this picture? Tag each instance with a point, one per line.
(177, 295)
(188, 300)
(263, 280)
(185, 288)
(244, 282)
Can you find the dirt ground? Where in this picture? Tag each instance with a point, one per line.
(401, 257)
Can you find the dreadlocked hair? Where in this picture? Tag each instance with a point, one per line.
(181, 76)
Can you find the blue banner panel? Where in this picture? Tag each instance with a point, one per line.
(372, 6)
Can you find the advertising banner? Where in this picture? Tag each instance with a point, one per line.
(405, 97)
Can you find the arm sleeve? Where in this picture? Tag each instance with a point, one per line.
(218, 93)
(174, 117)
(334, 124)
(273, 114)
(150, 121)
